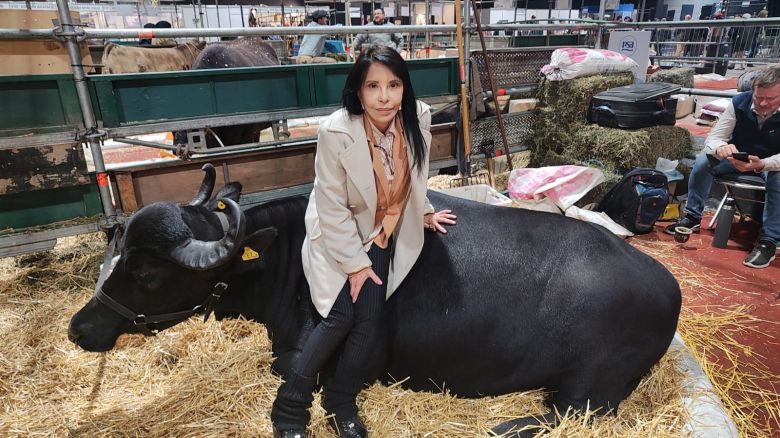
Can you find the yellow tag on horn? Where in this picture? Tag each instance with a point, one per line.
(249, 254)
(220, 205)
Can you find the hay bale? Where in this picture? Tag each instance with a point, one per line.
(561, 127)
(563, 107)
(569, 100)
(626, 149)
(614, 151)
(682, 76)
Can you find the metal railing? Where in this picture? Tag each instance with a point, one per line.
(713, 44)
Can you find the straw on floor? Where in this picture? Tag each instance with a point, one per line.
(213, 379)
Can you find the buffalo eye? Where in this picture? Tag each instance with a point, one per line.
(147, 273)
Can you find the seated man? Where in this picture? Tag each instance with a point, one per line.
(751, 124)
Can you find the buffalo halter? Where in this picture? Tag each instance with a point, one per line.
(140, 320)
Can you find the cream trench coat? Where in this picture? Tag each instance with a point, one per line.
(342, 209)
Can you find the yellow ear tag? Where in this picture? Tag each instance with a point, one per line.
(249, 254)
(220, 205)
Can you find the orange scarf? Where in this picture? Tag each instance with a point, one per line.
(391, 198)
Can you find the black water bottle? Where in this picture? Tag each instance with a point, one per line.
(723, 227)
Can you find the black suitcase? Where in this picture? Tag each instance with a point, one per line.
(635, 106)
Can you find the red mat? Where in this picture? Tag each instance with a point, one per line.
(700, 266)
(694, 128)
(726, 84)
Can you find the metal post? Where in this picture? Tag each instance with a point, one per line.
(526, 10)
(549, 21)
(200, 13)
(602, 7)
(92, 135)
(138, 12)
(241, 10)
(194, 14)
(467, 44)
(428, 21)
(216, 4)
(494, 90)
(409, 44)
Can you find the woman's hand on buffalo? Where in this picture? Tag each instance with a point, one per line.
(435, 221)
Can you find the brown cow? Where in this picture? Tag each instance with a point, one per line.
(126, 59)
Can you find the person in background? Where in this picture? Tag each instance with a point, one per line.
(534, 32)
(252, 17)
(146, 41)
(758, 36)
(682, 36)
(741, 38)
(751, 124)
(719, 46)
(365, 227)
(163, 24)
(391, 39)
(312, 44)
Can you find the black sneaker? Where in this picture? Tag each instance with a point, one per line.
(290, 433)
(688, 222)
(761, 256)
(351, 428)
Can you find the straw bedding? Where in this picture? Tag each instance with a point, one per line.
(213, 379)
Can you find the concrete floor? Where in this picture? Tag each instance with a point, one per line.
(758, 290)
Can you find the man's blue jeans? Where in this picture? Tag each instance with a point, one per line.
(700, 182)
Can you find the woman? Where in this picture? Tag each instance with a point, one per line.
(364, 224)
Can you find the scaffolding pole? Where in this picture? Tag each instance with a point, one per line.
(91, 135)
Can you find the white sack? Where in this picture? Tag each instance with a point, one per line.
(570, 63)
(600, 218)
(563, 185)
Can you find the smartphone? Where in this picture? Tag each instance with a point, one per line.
(741, 156)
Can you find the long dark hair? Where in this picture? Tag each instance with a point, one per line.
(392, 60)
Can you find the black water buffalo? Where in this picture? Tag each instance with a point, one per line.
(508, 300)
(242, 52)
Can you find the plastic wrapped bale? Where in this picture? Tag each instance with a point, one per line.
(682, 76)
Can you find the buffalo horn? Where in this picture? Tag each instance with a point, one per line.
(202, 255)
(207, 186)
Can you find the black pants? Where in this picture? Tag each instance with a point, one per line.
(355, 324)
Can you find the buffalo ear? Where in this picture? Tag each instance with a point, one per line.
(230, 191)
(251, 256)
(261, 239)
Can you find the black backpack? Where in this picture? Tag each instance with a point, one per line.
(638, 200)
